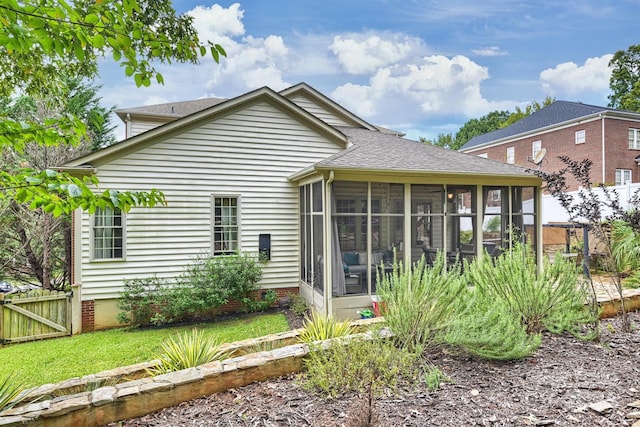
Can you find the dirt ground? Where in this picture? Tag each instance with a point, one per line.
(565, 383)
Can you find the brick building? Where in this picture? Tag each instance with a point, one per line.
(610, 138)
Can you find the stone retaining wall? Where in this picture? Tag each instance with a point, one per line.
(144, 395)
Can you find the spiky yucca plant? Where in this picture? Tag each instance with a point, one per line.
(321, 327)
(188, 350)
(11, 393)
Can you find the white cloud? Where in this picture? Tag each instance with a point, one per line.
(363, 54)
(215, 22)
(251, 62)
(489, 51)
(572, 79)
(256, 62)
(436, 86)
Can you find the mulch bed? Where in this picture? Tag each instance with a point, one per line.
(567, 382)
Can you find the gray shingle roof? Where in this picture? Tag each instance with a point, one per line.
(176, 109)
(556, 113)
(384, 152)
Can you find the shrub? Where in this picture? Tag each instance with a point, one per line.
(250, 305)
(299, 305)
(552, 299)
(420, 301)
(487, 329)
(206, 284)
(188, 350)
(214, 281)
(142, 299)
(320, 327)
(359, 366)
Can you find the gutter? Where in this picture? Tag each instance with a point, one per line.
(78, 171)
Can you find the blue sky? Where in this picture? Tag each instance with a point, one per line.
(424, 67)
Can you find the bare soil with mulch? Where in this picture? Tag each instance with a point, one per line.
(567, 382)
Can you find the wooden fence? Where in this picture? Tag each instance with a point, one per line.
(33, 315)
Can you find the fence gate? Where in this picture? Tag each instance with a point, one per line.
(34, 315)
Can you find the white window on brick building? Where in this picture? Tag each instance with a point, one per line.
(511, 154)
(580, 137)
(634, 139)
(536, 146)
(623, 176)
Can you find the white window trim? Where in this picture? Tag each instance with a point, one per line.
(238, 220)
(580, 136)
(635, 143)
(622, 181)
(511, 155)
(92, 256)
(484, 155)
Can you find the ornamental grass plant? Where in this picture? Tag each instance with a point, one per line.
(11, 392)
(188, 350)
(420, 301)
(553, 299)
(321, 327)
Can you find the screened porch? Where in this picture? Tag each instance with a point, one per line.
(369, 223)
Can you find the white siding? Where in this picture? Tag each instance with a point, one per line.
(135, 127)
(319, 111)
(249, 153)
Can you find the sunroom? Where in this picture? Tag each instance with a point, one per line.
(354, 221)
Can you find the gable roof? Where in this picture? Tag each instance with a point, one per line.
(263, 94)
(559, 112)
(327, 103)
(378, 151)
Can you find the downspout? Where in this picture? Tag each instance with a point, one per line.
(76, 271)
(538, 225)
(604, 180)
(328, 247)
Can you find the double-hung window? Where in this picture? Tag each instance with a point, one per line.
(225, 225)
(623, 176)
(536, 146)
(511, 154)
(580, 136)
(634, 139)
(108, 234)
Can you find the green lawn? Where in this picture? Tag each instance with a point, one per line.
(55, 360)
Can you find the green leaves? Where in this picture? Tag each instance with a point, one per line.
(59, 193)
(625, 79)
(44, 41)
(71, 38)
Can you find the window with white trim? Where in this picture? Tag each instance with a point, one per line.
(536, 146)
(580, 136)
(107, 234)
(634, 139)
(623, 176)
(225, 225)
(511, 154)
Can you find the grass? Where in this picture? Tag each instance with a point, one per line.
(55, 360)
